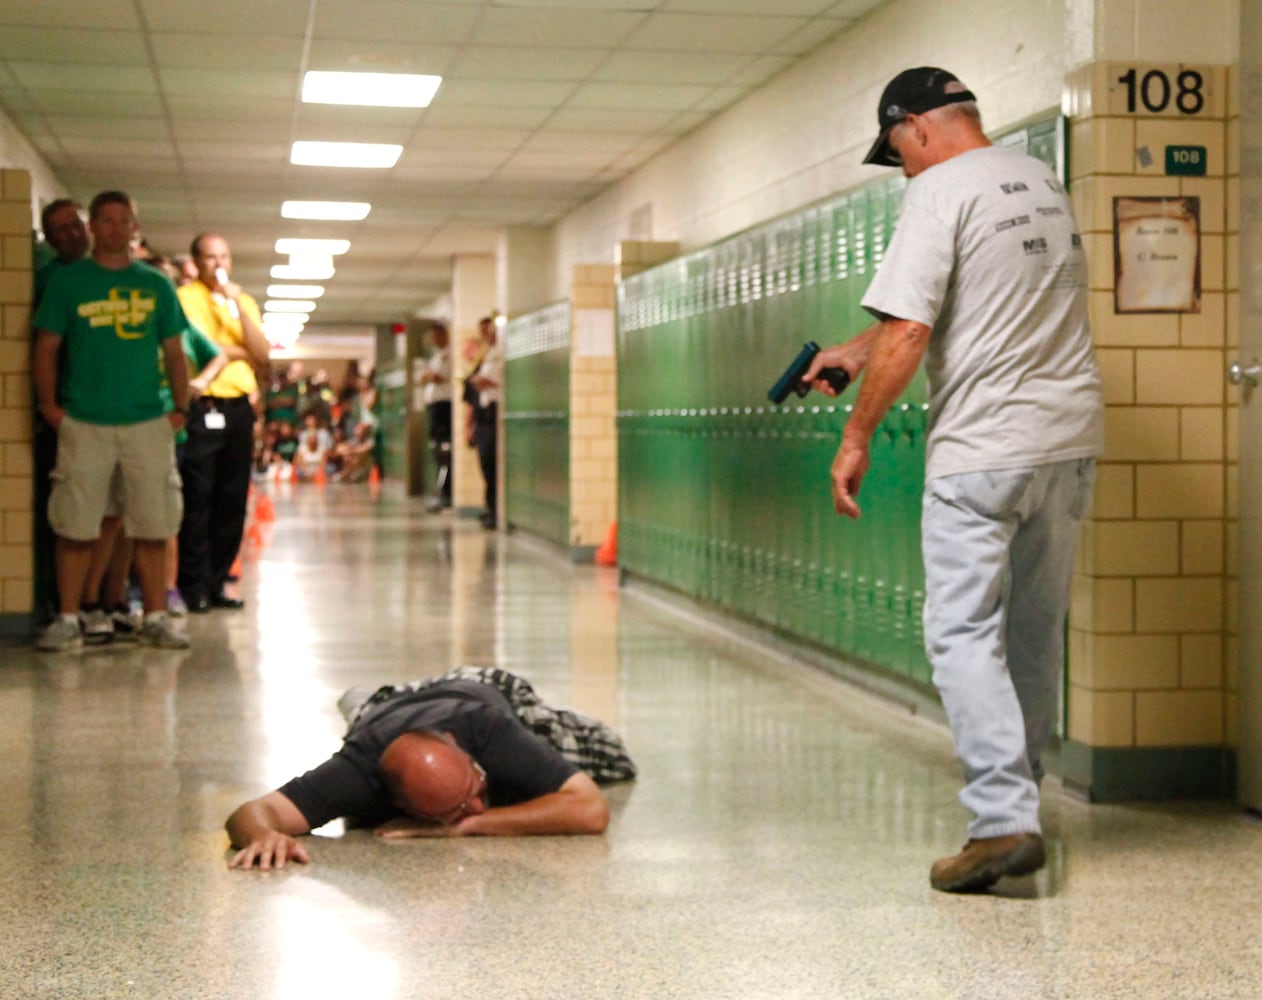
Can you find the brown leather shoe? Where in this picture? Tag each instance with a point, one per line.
(985, 861)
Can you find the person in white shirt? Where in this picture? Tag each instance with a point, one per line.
(984, 279)
(436, 393)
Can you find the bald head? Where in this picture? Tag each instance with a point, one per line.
(429, 777)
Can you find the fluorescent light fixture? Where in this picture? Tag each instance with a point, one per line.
(312, 248)
(294, 291)
(289, 306)
(287, 321)
(379, 90)
(334, 211)
(302, 268)
(345, 154)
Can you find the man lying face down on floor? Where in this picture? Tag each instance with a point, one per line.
(471, 753)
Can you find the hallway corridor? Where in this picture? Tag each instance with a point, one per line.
(776, 844)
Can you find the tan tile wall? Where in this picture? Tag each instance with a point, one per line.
(594, 395)
(16, 566)
(1150, 627)
(593, 408)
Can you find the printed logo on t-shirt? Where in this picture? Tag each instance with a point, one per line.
(1014, 187)
(128, 316)
(1035, 246)
(1075, 240)
(1050, 210)
(1020, 220)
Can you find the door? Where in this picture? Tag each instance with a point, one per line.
(1248, 356)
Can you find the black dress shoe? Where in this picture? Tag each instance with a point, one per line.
(198, 606)
(222, 600)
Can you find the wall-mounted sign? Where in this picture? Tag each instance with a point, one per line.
(1186, 161)
(1157, 255)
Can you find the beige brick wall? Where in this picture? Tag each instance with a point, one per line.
(16, 568)
(1150, 627)
(593, 408)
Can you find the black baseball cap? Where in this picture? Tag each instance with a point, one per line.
(912, 92)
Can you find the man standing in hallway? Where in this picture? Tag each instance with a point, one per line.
(985, 279)
(64, 231)
(436, 383)
(487, 381)
(116, 318)
(220, 449)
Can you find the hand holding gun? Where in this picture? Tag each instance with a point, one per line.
(791, 380)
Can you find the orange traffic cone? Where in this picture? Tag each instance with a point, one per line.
(235, 571)
(607, 554)
(374, 476)
(264, 509)
(318, 478)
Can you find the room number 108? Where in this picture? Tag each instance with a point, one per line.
(1154, 90)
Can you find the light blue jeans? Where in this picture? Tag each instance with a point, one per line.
(998, 550)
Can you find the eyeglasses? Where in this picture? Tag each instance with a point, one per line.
(477, 786)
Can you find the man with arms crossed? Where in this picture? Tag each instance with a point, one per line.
(217, 458)
(985, 279)
(117, 318)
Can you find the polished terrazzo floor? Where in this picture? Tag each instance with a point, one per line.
(776, 845)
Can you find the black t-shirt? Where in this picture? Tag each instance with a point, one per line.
(519, 765)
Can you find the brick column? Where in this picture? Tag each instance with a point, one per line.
(1148, 684)
(16, 467)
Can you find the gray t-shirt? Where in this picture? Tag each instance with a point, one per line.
(988, 256)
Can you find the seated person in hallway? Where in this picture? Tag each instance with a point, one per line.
(471, 753)
(356, 455)
(312, 455)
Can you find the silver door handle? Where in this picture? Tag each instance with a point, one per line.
(1247, 375)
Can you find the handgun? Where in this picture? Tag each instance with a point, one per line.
(791, 380)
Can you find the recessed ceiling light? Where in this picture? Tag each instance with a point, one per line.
(345, 154)
(312, 248)
(381, 90)
(304, 269)
(289, 306)
(295, 291)
(337, 211)
(285, 321)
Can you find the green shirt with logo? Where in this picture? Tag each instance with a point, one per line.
(112, 324)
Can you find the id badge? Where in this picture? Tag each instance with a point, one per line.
(215, 421)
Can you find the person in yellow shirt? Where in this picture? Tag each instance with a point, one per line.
(219, 452)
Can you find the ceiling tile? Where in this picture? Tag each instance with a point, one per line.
(496, 62)
(577, 119)
(660, 97)
(231, 153)
(505, 93)
(671, 67)
(214, 108)
(810, 36)
(119, 14)
(380, 56)
(45, 76)
(395, 21)
(77, 102)
(224, 17)
(702, 33)
(55, 45)
(228, 53)
(446, 117)
(230, 89)
(523, 28)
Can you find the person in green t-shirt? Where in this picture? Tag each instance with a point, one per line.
(113, 315)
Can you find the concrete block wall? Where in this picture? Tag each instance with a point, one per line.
(1149, 640)
(16, 491)
(593, 407)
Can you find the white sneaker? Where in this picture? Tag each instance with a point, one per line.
(60, 636)
(161, 632)
(97, 626)
(126, 624)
